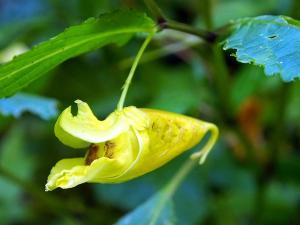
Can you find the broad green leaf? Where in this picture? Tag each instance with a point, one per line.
(46, 108)
(116, 27)
(269, 41)
(158, 210)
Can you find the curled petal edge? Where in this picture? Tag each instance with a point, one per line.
(204, 152)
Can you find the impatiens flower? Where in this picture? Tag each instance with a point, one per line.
(128, 143)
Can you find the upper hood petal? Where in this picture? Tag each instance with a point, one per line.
(84, 128)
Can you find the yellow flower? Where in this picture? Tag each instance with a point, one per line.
(128, 143)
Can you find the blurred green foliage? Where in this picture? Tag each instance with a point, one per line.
(250, 178)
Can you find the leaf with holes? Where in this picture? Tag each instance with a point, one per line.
(269, 41)
(116, 27)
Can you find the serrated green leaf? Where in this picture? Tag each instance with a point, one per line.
(269, 41)
(45, 108)
(116, 27)
(158, 210)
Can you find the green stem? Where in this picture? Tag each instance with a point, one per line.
(220, 70)
(204, 34)
(165, 50)
(295, 9)
(155, 10)
(206, 11)
(185, 169)
(164, 23)
(278, 136)
(132, 70)
(268, 169)
(171, 187)
(221, 77)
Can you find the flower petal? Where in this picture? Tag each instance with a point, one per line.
(117, 157)
(68, 173)
(86, 127)
(169, 135)
(66, 138)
